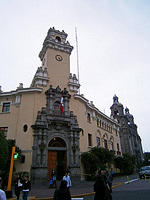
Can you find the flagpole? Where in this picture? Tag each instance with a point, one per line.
(77, 57)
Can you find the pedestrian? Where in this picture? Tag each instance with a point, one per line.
(2, 192)
(18, 186)
(26, 187)
(109, 181)
(52, 173)
(1, 182)
(53, 178)
(100, 188)
(67, 178)
(62, 193)
(2, 195)
(112, 172)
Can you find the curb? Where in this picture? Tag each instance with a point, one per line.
(77, 196)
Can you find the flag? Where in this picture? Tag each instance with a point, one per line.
(61, 104)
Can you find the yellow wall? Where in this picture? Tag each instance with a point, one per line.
(80, 110)
(19, 115)
(58, 71)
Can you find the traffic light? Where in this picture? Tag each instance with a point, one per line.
(15, 156)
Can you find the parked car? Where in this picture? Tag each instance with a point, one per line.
(144, 172)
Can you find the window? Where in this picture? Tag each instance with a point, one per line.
(25, 128)
(17, 99)
(111, 145)
(5, 130)
(105, 144)
(6, 107)
(116, 133)
(100, 123)
(118, 149)
(89, 139)
(89, 117)
(97, 122)
(97, 141)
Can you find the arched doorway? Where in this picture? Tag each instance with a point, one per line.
(57, 157)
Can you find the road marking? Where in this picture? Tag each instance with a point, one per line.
(127, 182)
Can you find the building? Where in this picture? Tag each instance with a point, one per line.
(129, 137)
(51, 123)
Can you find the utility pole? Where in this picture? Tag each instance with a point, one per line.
(77, 57)
(9, 192)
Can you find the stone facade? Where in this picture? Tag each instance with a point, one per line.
(52, 123)
(129, 137)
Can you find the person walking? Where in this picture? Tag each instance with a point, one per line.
(101, 189)
(109, 181)
(26, 187)
(2, 193)
(53, 177)
(18, 187)
(62, 193)
(67, 178)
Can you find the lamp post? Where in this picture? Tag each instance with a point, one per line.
(9, 191)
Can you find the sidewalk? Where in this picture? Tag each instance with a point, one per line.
(79, 188)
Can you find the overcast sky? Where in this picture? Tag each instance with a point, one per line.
(113, 42)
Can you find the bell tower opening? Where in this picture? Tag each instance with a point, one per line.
(58, 39)
(57, 157)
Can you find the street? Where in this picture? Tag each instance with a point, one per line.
(138, 190)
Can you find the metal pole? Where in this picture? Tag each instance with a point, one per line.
(11, 169)
(77, 58)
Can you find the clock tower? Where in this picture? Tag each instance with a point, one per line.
(55, 57)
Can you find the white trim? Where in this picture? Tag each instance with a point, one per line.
(18, 91)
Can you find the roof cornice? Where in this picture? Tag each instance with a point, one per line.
(19, 91)
(92, 107)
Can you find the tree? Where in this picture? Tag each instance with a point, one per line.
(126, 163)
(5, 156)
(146, 158)
(97, 158)
(105, 156)
(3, 151)
(90, 163)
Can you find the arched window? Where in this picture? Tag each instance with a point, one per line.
(118, 149)
(25, 128)
(56, 107)
(57, 142)
(58, 39)
(89, 117)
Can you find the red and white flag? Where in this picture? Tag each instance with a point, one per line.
(62, 104)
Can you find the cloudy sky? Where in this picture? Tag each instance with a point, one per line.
(113, 42)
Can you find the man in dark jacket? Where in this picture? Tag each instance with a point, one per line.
(100, 188)
(62, 193)
(26, 187)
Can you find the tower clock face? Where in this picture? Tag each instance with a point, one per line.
(58, 57)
